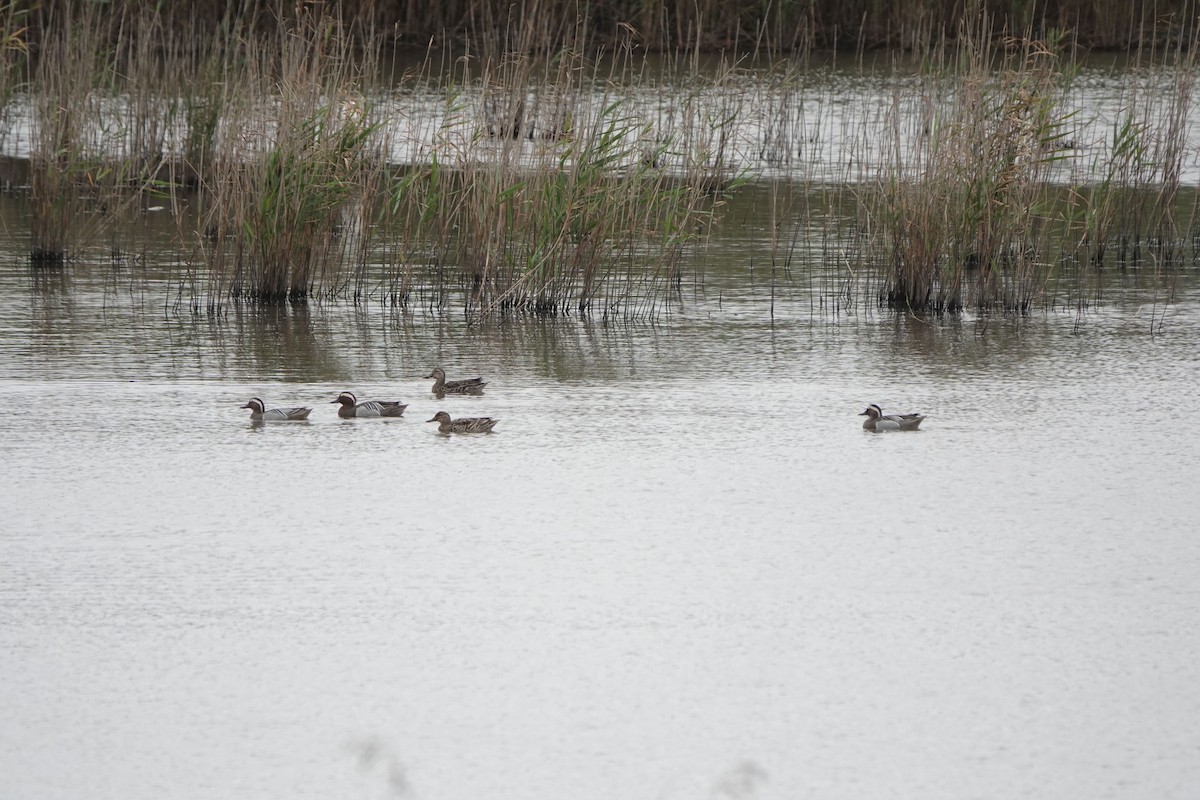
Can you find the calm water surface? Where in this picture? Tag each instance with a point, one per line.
(679, 569)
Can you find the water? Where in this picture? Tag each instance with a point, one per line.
(832, 122)
(679, 569)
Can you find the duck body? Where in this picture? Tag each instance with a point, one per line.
(878, 421)
(350, 408)
(442, 387)
(260, 413)
(463, 424)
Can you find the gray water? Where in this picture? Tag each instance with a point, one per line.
(678, 569)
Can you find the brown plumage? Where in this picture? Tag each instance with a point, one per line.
(442, 387)
(463, 424)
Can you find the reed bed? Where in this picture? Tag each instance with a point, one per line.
(545, 192)
(61, 163)
(527, 175)
(957, 215)
(100, 125)
(288, 152)
(539, 191)
(965, 211)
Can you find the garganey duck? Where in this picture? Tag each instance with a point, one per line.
(878, 421)
(260, 412)
(463, 424)
(350, 407)
(442, 387)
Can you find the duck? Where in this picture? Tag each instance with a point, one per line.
(878, 421)
(442, 387)
(463, 424)
(350, 407)
(260, 413)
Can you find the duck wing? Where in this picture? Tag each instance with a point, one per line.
(295, 413)
(380, 408)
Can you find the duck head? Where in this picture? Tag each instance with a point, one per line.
(873, 411)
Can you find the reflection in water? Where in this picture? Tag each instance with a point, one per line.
(258, 424)
(52, 304)
(279, 338)
(682, 551)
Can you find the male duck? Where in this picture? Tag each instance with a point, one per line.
(463, 424)
(350, 407)
(259, 412)
(878, 421)
(442, 387)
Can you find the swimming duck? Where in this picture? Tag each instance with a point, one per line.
(350, 407)
(878, 421)
(441, 386)
(463, 424)
(260, 412)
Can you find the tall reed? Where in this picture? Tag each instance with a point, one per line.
(542, 188)
(957, 208)
(1133, 197)
(101, 123)
(14, 49)
(527, 175)
(61, 160)
(292, 148)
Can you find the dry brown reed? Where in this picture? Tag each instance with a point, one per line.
(965, 211)
(61, 162)
(542, 191)
(956, 206)
(291, 150)
(1130, 209)
(529, 176)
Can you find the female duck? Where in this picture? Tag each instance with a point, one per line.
(442, 387)
(878, 421)
(463, 424)
(350, 407)
(260, 413)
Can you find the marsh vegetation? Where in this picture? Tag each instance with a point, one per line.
(541, 163)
